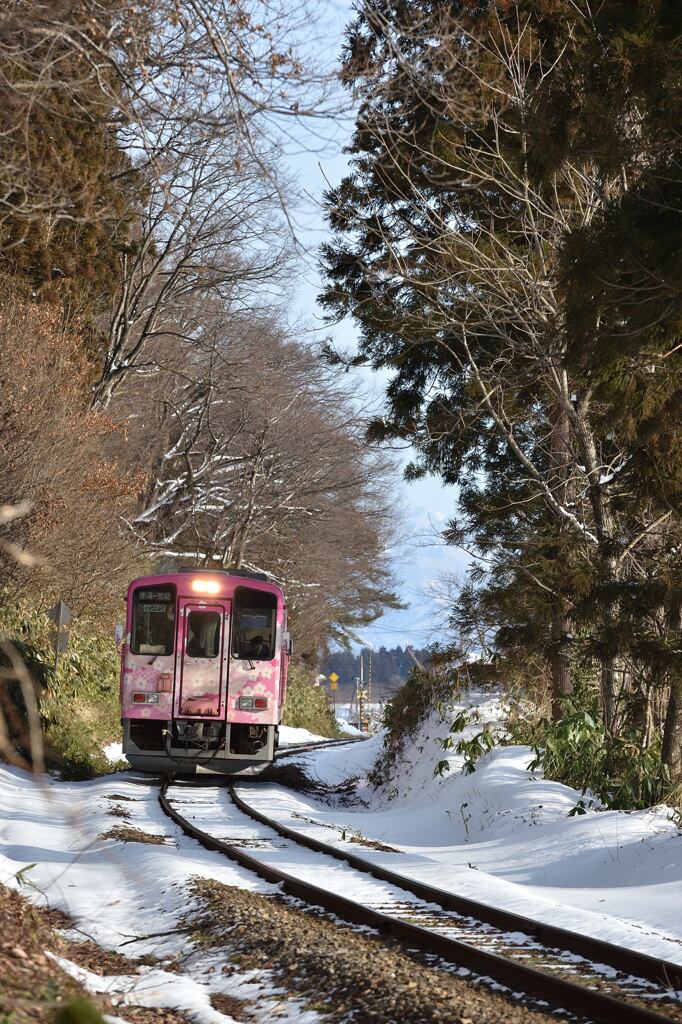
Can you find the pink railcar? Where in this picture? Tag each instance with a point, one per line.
(203, 671)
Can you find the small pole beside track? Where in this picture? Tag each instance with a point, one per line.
(61, 615)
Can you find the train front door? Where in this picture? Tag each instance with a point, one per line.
(202, 652)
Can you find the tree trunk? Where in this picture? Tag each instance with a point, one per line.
(561, 482)
(609, 657)
(642, 711)
(606, 563)
(562, 680)
(671, 753)
(608, 693)
(243, 532)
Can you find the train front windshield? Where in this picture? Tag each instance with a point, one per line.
(255, 615)
(153, 629)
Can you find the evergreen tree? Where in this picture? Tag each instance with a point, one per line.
(467, 181)
(621, 276)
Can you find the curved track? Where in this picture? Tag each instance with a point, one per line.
(625, 961)
(423, 919)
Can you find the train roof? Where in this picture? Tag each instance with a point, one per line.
(236, 577)
(245, 573)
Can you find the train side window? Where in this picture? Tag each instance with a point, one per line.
(255, 620)
(203, 634)
(153, 630)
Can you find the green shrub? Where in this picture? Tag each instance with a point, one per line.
(576, 750)
(79, 706)
(471, 749)
(307, 706)
(616, 773)
(422, 692)
(611, 772)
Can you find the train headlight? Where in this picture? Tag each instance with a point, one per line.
(205, 586)
(252, 703)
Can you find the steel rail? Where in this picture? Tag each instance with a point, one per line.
(302, 748)
(563, 994)
(642, 965)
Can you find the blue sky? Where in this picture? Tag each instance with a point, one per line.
(315, 161)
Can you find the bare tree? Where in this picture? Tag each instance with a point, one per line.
(227, 70)
(67, 467)
(265, 466)
(208, 234)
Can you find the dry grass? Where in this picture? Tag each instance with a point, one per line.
(231, 1007)
(35, 990)
(118, 812)
(373, 844)
(129, 834)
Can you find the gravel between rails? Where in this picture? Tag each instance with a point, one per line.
(342, 973)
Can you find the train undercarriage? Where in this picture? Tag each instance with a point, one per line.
(198, 746)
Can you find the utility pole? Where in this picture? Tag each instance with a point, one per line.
(369, 688)
(361, 695)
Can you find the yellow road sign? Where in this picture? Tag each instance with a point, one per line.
(333, 678)
(333, 686)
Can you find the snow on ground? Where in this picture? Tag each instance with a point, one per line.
(288, 735)
(152, 988)
(346, 713)
(503, 835)
(113, 752)
(131, 897)
(336, 764)
(347, 729)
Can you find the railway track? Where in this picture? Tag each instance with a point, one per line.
(566, 974)
(302, 748)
